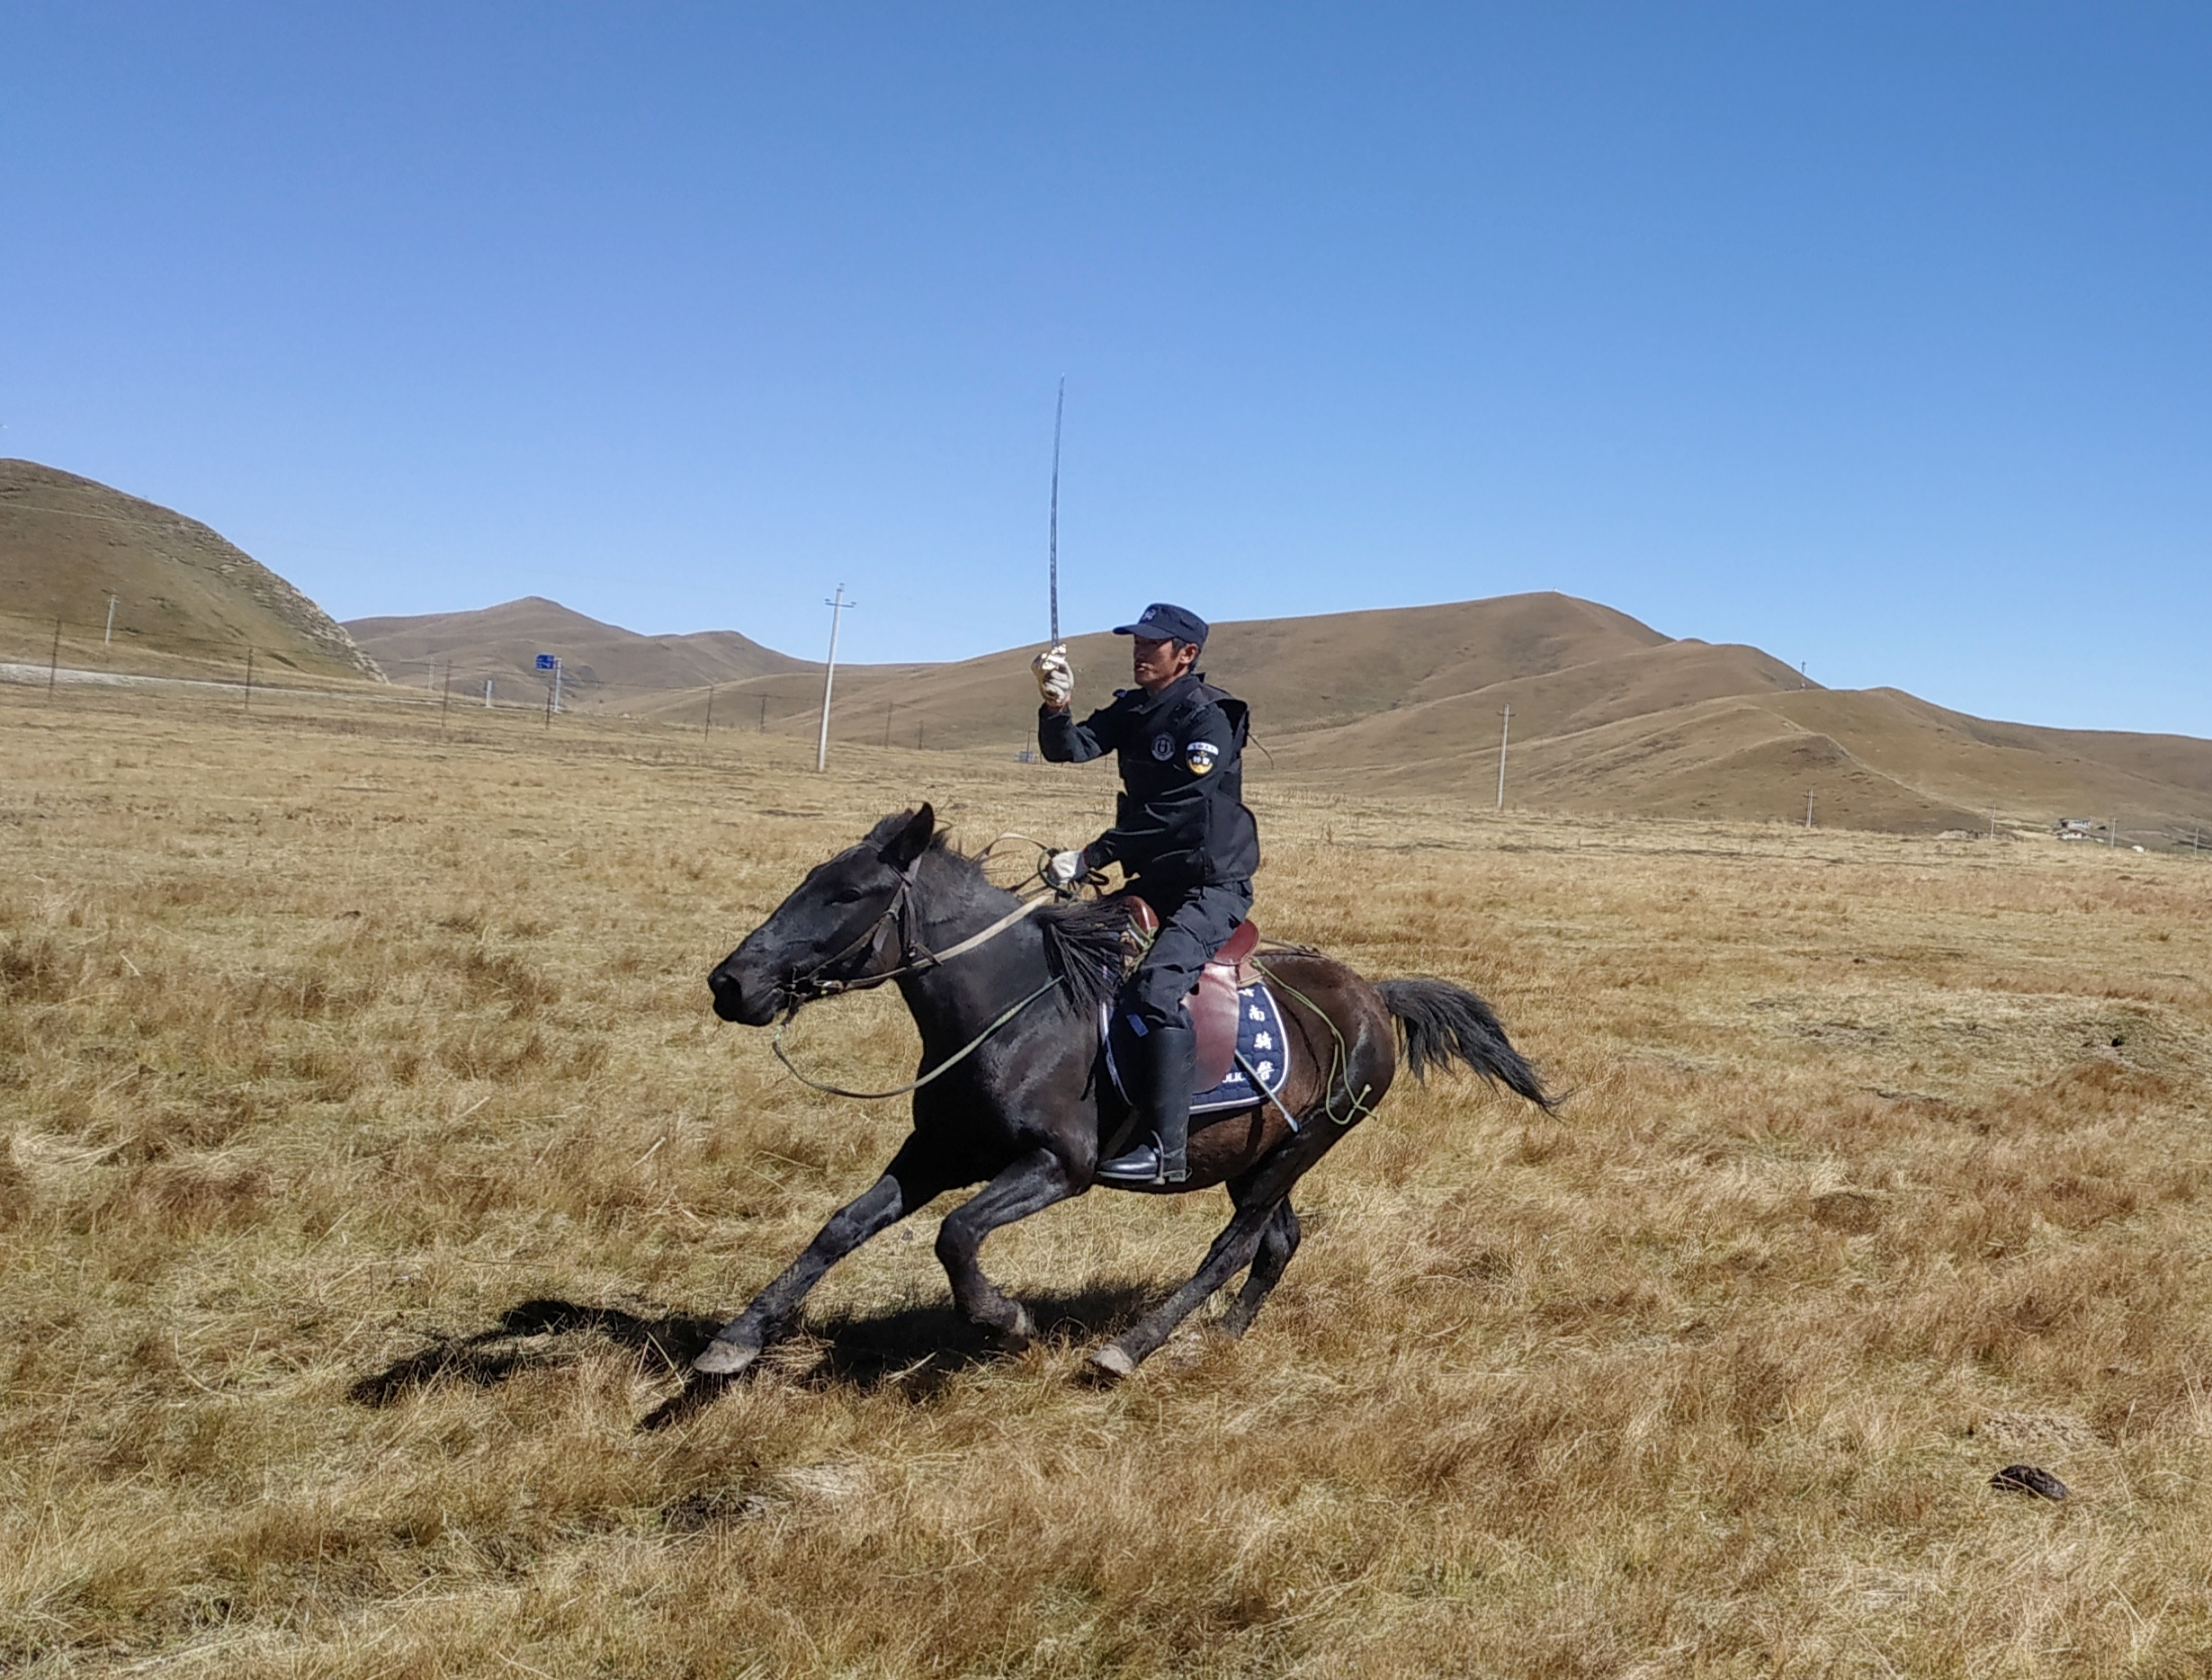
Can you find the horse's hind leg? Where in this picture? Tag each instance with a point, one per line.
(913, 1177)
(1234, 1249)
(1277, 1242)
(1029, 1185)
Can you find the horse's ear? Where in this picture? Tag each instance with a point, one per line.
(911, 841)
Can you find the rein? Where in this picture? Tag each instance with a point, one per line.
(944, 1066)
(914, 958)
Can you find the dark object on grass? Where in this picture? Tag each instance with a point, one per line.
(2028, 1478)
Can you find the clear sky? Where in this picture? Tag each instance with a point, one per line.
(1873, 335)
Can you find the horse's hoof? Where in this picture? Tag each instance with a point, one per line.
(724, 1359)
(1112, 1363)
(1020, 1333)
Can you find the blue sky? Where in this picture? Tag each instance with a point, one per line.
(1874, 336)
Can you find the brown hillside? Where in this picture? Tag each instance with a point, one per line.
(1638, 684)
(1609, 714)
(600, 662)
(1872, 759)
(1296, 673)
(182, 591)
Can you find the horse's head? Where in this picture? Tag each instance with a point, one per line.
(835, 928)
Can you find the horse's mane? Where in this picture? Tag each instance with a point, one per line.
(1083, 946)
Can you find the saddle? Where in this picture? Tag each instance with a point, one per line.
(1213, 1004)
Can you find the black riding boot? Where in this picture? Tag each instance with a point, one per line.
(1165, 1057)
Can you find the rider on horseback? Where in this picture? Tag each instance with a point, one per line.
(1183, 840)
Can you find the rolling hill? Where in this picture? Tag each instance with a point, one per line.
(1609, 715)
(182, 592)
(602, 665)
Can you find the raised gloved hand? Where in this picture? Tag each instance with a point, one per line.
(1055, 679)
(1062, 870)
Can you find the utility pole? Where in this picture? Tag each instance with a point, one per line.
(445, 695)
(1802, 682)
(109, 638)
(487, 693)
(763, 727)
(710, 728)
(250, 678)
(1504, 733)
(53, 661)
(1808, 808)
(1992, 822)
(838, 607)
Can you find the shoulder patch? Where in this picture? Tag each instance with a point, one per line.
(1199, 756)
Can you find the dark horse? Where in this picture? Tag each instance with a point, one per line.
(1026, 1112)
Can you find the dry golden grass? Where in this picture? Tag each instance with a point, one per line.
(371, 1153)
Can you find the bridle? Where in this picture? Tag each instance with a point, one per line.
(914, 958)
(806, 988)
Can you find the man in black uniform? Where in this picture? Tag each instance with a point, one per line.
(1182, 836)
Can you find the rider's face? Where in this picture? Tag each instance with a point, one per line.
(1157, 664)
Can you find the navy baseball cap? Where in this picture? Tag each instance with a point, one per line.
(1162, 622)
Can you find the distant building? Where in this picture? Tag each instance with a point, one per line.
(2076, 828)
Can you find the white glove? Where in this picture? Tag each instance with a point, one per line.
(1064, 868)
(1056, 680)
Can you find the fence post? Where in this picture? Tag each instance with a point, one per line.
(53, 661)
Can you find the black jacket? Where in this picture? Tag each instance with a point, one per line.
(1180, 821)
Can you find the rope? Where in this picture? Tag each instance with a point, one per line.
(998, 927)
(1340, 1060)
(944, 1066)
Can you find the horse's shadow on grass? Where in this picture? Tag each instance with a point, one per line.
(914, 1349)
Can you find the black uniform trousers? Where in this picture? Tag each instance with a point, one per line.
(1195, 922)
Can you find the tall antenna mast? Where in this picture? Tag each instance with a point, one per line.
(1060, 408)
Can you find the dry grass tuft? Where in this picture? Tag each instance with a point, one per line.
(371, 1162)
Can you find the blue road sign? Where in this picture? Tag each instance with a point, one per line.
(547, 661)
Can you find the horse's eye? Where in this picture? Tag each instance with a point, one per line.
(848, 894)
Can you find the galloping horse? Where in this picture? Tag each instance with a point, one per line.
(1006, 996)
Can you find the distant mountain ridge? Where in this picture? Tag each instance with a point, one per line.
(502, 644)
(1609, 715)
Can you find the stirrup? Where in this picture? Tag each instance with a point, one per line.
(1144, 1165)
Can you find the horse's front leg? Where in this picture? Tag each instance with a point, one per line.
(1031, 1184)
(913, 1176)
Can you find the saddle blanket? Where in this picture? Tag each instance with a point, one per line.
(1261, 1040)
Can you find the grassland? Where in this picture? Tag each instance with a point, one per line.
(372, 1159)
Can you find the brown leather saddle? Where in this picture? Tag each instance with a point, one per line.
(1212, 1002)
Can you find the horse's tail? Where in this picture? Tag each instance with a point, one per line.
(1441, 1024)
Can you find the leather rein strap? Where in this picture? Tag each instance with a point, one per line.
(914, 958)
